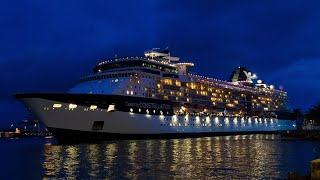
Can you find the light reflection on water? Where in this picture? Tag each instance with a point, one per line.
(229, 157)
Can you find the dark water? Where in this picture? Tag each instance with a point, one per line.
(228, 157)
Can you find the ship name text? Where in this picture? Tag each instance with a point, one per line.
(148, 105)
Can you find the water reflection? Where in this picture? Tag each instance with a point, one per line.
(110, 155)
(92, 156)
(52, 161)
(229, 157)
(71, 163)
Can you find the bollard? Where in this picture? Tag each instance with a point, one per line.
(315, 169)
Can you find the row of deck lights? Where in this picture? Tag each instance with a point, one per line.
(107, 61)
(175, 118)
(208, 78)
(230, 83)
(216, 122)
(127, 58)
(74, 106)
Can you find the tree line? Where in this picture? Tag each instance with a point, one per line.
(313, 113)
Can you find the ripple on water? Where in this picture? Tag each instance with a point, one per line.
(224, 157)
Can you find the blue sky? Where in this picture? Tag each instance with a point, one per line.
(45, 46)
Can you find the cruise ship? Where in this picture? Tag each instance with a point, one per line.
(157, 96)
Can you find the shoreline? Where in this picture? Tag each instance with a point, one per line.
(300, 135)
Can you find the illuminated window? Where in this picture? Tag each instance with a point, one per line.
(230, 105)
(57, 105)
(111, 108)
(93, 107)
(72, 106)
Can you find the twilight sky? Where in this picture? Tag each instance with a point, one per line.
(46, 46)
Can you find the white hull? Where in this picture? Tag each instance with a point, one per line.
(82, 118)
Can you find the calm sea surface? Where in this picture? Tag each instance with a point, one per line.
(225, 157)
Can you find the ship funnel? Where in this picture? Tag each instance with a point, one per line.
(243, 75)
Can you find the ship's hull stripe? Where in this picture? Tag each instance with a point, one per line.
(69, 136)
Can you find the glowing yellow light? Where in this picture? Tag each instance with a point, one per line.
(72, 106)
(226, 120)
(207, 119)
(197, 119)
(235, 120)
(93, 107)
(57, 105)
